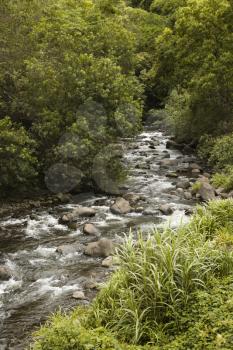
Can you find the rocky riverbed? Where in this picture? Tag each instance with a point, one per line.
(57, 255)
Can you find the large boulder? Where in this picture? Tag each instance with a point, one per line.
(5, 273)
(121, 206)
(102, 248)
(206, 191)
(90, 229)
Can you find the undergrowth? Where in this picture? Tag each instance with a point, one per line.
(173, 290)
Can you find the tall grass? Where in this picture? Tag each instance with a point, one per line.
(159, 276)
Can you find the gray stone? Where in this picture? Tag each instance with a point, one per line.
(90, 229)
(79, 295)
(187, 195)
(108, 262)
(102, 248)
(166, 209)
(70, 248)
(206, 191)
(183, 184)
(121, 206)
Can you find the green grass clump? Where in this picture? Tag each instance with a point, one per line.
(172, 291)
(224, 179)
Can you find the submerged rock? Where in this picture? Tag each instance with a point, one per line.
(102, 248)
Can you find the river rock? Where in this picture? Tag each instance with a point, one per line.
(187, 195)
(172, 175)
(76, 214)
(90, 229)
(64, 197)
(195, 166)
(102, 248)
(90, 284)
(168, 162)
(132, 198)
(5, 273)
(206, 191)
(183, 184)
(69, 248)
(166, 209)
(121, 206)
(79, 295)
(108, 262)
(196, 172)
(174, 145)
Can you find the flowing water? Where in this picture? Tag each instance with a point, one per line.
(44, 280)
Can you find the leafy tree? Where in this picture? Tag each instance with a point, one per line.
(17, 159)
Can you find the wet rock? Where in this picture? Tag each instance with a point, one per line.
(102, 248)
(188, 195)
(108, 262)
(172, 175)
(76, 214)
(188, 211)
(206, 191)
(166, 156)
(168, 162)
(84, 212)
(174, 145)
(142, 166)
(121, 206)
(5, 273)
(90, 285)
(195, 166)
(180, 191)
(196, 172)
(70, 248)
(73, 225)
(132, 198)
(64, 197)
(207, 175)
(166, 209)
(139, 209)
(79, 295)
(183, 184)
(90, 229)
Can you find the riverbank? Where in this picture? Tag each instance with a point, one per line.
(173, 290)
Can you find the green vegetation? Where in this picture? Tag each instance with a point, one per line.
(171, 291)
(89, 68)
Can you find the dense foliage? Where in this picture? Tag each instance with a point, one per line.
(172, 291)
(87, 68)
